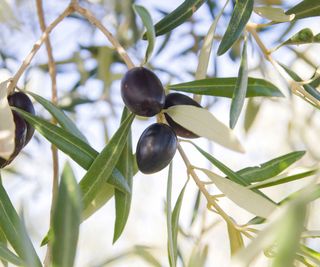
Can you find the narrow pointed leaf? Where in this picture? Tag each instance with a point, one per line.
(273, 13)
(305, 9)
(123, 200)
(270, 168)
(147, 22)
(77, 149)
(8, 256)
(235, 239)
(171, 250)
(224, 87)
(251, 113)
(177, 16)
(242, 196)
(65, 122)
(101, 168)
(15, 232)
(240, 16)
(7, 125)
(240, 90)
(66, 220)
(304, 36)
(201, 122)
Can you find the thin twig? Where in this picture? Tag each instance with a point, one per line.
(54, 99)
(115, 43)
(210, 200)
(26, 62)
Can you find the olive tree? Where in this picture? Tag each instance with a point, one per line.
(172, 70)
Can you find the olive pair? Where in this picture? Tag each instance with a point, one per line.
(23, 130)
(143, 94)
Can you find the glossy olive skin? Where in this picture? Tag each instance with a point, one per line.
(22, 101)
(156, 148)
(174, 99)
(20, 138)
(142, 92)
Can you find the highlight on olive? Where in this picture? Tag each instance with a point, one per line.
(23, 130)
(156, 148)
(142, 92)
(174, 99)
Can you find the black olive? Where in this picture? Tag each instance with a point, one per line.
(174, 99)
(19, 140)
(22, 101)
(142, 92)
(156, 148)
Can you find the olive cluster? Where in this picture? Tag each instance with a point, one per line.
(143, 94)
(23, 130)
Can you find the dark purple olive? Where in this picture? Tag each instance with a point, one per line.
(156, 148)
(142, 92)
(19, 140)
(174, 99)
(22, 101)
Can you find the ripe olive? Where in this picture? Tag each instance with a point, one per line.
(156, 148)
(21, 100)
(19, 140)
(174, 99)
(142, 92)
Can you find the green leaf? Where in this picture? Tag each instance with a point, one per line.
(77, 149)
(273, 13)
(201, 122)
(240, 90)
(233, 176)
(224, 87)
(147, 22)
(307, 87)
(66, 220)
(240, 16)
(175, 223)
(205, 52)
(7, 125)
(242, 196)
(8, 256)
(65, 122)
(251, 113)
(270, 168)
(123, 200)
(284, 178)
(101, 169)
(304, 36)
(177, 16)
(235, 239)
(172, 251)
(305, 9)
(15, 231)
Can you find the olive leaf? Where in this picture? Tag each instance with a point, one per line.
(273, 13)
(240, 90)
(240, 16)
(225, 87)
(177, 16)
(7, 125)
(147, 21)
(201, 122)
(242, 196)
(305, 9)
(66, 220)
(8, 256)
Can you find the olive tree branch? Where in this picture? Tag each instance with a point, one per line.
(115, 43)
(54, 99)
(26, 62)
(211, 202)
(295, 86)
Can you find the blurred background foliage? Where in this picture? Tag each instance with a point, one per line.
(88, 77)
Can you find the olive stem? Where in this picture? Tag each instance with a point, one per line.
(211, 202)
(26, 62)
(94, 21)
(54, 99)
(296, 87)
